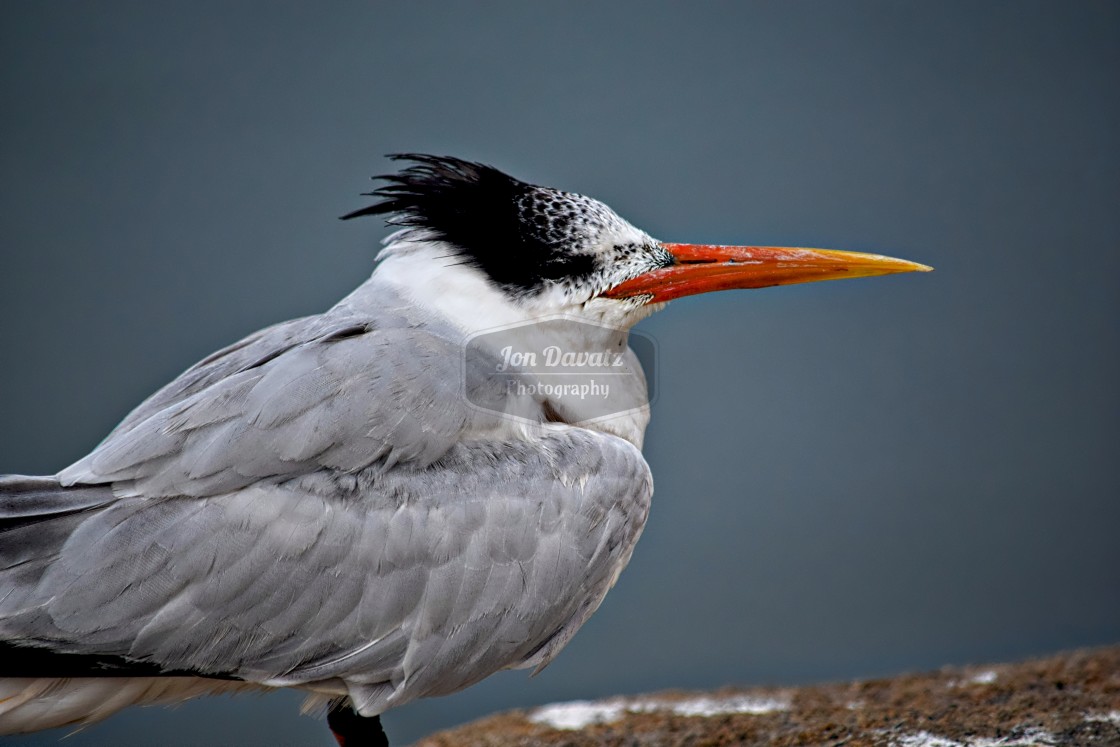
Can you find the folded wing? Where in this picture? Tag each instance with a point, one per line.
(394, 585)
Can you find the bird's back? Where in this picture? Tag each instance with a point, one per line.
(316, 506)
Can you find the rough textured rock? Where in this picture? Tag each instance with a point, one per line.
(1070, 699)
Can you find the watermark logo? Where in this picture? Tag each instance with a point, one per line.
(560, 369)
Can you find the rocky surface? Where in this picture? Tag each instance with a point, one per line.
(1070, 699)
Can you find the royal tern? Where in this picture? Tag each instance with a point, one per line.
(387, 501)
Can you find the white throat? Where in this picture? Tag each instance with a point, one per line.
(432, 278)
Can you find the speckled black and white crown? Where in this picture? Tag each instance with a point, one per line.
(521, 235)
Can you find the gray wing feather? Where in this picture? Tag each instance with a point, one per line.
(36, 517)
(412, 582)
(250, 352)
(279, 405)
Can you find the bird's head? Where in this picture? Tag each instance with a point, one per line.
(545, 251)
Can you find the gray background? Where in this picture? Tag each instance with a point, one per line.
(853, 479)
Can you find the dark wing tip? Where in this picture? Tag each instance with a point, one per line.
(35, 659)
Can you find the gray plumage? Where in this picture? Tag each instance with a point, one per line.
(321, 505)
(304, 508)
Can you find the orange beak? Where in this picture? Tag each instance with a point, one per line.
(702, 268)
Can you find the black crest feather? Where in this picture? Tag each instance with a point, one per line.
(515, 232)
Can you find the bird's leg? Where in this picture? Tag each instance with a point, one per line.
(354, 730)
